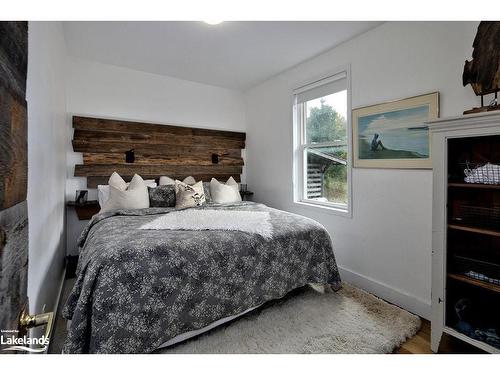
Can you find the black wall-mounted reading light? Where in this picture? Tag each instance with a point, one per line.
(129, 156)
(215, 159)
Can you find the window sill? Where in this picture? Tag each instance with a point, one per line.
(345, 212)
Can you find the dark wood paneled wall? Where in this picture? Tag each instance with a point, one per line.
(173, 151)
(13, 114)
(13, 174)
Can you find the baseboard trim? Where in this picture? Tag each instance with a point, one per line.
(395, 296)
(56, 308)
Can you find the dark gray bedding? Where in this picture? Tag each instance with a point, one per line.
(136, 289)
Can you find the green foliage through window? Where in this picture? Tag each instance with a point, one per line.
(325, 125)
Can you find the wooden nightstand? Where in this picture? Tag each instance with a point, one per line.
(246, 195)
(86, 210)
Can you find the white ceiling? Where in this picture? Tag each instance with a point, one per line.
(235, 55)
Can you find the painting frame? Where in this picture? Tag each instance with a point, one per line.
(401, 106)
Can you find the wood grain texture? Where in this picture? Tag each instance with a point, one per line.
(86, 212)
(189, 159)
(13, 173)
(91, 123)
(159, 139)
(421, 343)
(174, 151)
(483, 71)
(13, 115)
(13, 149)
(147, 149)
(82, 170)
(14, 57)
(466, 228)
(479, 283)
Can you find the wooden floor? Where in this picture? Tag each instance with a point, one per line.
(421, 343)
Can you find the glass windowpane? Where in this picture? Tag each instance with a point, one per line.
(326, 118)
(326, 174)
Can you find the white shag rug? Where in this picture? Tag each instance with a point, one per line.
(244, 221)
(348, 321)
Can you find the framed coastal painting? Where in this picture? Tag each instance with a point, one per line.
(394, 134)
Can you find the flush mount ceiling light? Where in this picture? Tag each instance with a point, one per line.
(213, 22)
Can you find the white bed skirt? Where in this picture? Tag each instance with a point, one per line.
(187, 335)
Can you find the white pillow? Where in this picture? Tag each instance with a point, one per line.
(103, 190)
(165, 180)
(117, 181)
(134, 197)
(224, 193)
(189, 180)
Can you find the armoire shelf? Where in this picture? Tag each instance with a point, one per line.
(478, 283)
(478, 344)
(473, 186)
(465, 230)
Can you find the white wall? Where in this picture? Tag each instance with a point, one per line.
(108, 91)
(47, 142)
(386, 246)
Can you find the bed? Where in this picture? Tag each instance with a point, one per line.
(138, 290)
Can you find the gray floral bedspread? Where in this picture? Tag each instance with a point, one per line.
(137, 289)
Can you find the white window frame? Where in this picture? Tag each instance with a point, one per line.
(300, 146)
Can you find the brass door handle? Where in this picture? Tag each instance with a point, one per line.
(27, 321)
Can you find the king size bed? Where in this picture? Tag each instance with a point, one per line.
(145, 278)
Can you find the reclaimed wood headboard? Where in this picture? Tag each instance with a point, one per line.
(159, 150)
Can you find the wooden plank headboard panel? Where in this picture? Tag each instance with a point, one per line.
(174, 151)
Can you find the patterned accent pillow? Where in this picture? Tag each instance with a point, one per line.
(162, 196)
(188, 195)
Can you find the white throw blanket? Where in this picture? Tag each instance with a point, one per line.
(194, 219)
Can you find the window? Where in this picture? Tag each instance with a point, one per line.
(322, 140)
